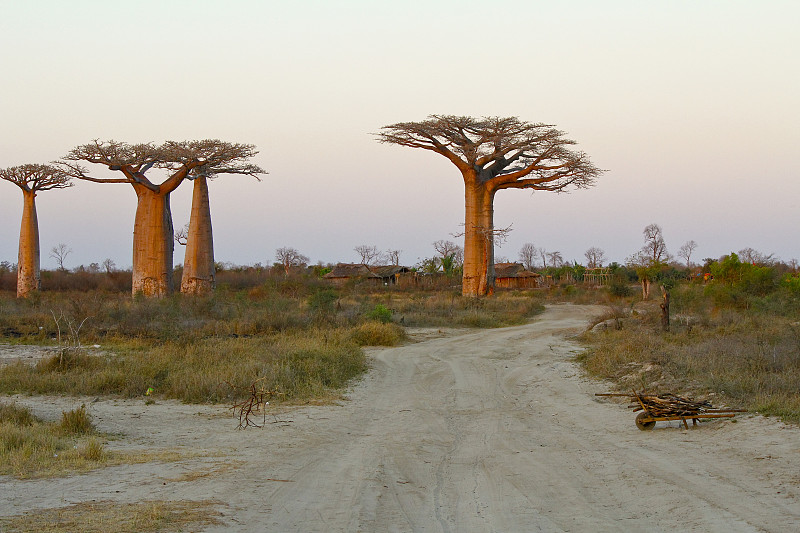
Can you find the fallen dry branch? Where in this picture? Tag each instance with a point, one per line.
(256, 402)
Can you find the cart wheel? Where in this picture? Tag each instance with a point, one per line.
(641, 424)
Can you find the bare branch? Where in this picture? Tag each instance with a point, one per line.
(368, 254)
(35, 178)
(500, 151)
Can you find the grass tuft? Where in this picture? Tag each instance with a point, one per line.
(16, 415)
(375, 333)
(76, 422)
(100, 517)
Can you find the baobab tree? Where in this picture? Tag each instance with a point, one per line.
(32, 179)
(594, 257)
(493, 154)
(153, 232)
(218, 158)
(649, 260)
(556, 259)
(448, 249)
(290, 257)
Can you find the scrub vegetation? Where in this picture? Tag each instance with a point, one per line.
(299, 336)
(734, 338)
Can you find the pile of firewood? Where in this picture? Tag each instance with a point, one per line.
(653, 408)
(665, 405)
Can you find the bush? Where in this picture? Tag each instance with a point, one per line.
(380, 313)
(321, 303)
(377, 334)
(619, 287)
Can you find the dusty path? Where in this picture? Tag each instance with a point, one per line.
(492, 430)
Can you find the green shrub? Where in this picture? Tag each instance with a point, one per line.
(321, 303)
(380, 313)
(619, 287)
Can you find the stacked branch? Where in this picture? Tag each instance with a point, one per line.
(665, 405)
(670, 405)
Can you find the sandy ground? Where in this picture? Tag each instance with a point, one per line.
(490, 430)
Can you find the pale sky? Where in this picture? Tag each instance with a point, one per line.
(691, 106)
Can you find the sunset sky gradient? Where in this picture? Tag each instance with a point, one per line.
(691, 106)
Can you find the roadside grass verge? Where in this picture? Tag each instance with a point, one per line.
(303, 342)
(451, 309)
(300, 366)
(104, 516)
(34, 448)
(740, 358)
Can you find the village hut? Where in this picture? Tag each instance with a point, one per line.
(514, 276)
(392, 274)
(344, 272)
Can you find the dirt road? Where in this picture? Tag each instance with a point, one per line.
(490, 430)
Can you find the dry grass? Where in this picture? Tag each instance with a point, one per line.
(300, 366)
(450, 309)
(304, 339)
(105, 516)
(377, 334)
(740, 358)
(206, 472)
(32, 448)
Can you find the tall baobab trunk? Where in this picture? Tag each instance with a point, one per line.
(198, 266)
(478, 277)
(152, 243)
(28, 276)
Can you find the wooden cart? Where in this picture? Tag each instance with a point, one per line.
(667, 407)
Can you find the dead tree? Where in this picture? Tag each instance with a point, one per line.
(686, 251)
(60, 253)
(493, 154)
(368, 254)
(664, 307)
(527, 255)
(32, 179)
(393, 257)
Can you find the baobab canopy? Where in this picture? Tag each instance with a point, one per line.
(32, 178)
(492, 154)
(153, 230)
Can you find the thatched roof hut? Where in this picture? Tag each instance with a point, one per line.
(386, 275)
(391, 274)
(514, 276)
(343, 272)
